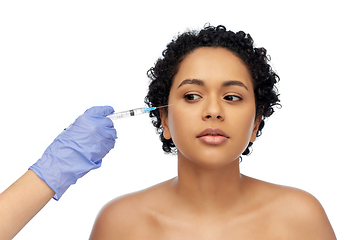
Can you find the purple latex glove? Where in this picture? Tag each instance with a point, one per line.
(77, 150)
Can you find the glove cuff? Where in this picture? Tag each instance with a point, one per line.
(59, 180)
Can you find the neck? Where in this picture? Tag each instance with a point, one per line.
(208, 190)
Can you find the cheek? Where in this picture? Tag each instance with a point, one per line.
(244, 125)
(179, 125)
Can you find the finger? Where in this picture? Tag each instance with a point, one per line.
(100, 111)
(103, 121)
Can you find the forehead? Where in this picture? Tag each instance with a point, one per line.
(213, 65)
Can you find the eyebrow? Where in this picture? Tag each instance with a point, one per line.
(234, 82)
(202, 83)
(192, 81)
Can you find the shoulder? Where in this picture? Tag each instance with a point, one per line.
(129, 216)
(295, 212)
(304, 215)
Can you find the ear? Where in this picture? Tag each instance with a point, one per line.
(164, 124)
(256, 128)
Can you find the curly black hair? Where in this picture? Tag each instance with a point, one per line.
(240, 43)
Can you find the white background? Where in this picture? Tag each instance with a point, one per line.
(58, 58)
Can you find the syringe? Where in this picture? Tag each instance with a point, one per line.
(133, 112)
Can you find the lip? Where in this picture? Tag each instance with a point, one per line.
(213, 136)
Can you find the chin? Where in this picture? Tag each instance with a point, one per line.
(213, 163)
(210, 158)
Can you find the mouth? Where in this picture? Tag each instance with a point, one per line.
(213, 136)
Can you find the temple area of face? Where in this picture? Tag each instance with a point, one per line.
(224, 84)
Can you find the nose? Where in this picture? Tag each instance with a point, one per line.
(213, 110)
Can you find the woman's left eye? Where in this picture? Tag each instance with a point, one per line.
(232, 98)
(191, 97)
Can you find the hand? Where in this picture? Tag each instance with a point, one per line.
(77, 150)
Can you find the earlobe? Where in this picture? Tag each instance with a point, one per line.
(166, 133)
(164, 124)
(256, 128)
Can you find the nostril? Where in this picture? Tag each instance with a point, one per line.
(208, 116)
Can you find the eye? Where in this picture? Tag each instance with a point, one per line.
(232, 98)
(191, 97)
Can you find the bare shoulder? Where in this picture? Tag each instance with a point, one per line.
(297, 213)
(305, 215)
(129, 216)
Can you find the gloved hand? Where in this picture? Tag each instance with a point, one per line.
(77, 150)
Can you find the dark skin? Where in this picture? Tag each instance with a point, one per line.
(210, 198)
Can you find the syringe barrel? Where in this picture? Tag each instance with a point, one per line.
(129, 113)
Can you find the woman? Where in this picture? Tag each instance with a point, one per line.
(220, 89)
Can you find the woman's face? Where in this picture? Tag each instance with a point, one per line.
(212, 118)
